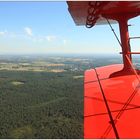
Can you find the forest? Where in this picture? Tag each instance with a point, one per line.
(38, 103)
(41, 105)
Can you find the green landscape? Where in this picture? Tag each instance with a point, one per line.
(42, 96)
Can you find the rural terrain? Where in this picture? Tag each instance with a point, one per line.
(42, 96)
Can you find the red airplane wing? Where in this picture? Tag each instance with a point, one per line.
(118, 90)
(79, 10)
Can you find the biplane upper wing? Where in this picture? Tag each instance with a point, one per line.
(79, 10)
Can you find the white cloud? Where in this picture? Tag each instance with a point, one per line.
(50, 38)
(3, 32)
(28, 31)
(64, 41)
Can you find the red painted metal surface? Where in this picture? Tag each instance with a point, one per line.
(132, 52)
(117, 91)
(124, 40)
(78, 10)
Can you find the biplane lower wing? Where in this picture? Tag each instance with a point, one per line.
(123, 97)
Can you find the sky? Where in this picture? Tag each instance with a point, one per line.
(47, 27)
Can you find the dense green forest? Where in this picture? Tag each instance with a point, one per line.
(41, 105)
(42, 97)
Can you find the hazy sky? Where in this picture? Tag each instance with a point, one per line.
(47, 27)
